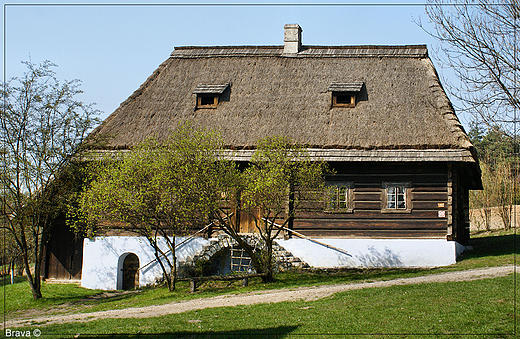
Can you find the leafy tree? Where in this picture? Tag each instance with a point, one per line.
(43, 127)
(158, 190)
(493, 144)
(280, 176)
(11, 254)
(481, 201)
(497, 193)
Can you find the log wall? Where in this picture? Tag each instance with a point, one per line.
(429, 198)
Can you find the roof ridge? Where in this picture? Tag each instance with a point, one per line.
(183, 48)
(304, 47)
(413, 51)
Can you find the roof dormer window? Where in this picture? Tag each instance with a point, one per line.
(345, 94)
(207, 100)
(208, 96)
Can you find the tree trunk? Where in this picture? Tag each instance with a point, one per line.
(34, 283)
(269, 260)
(11, 269)
(38, 265)
(165, 273)
(255, 261)
(173, 274)
(505, 212)
(487, 218)
(173, 269)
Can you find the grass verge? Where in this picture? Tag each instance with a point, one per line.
(495, 249)
(471, 309)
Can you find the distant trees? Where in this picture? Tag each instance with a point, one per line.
(43, 127)
(498, 193)
(499, 173)
(479, 42)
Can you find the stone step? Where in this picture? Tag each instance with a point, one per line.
(284, 258)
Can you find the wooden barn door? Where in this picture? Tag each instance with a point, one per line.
(130, 272)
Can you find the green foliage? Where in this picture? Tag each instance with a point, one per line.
(279, 168)
(493, 145)
(163, 188)
(281, 174)
(203, 267)
(158, 189)
(43, 127)
(499, 166)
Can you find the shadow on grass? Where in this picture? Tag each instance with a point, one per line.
(274, 332)
(7, 280)
(492, 245)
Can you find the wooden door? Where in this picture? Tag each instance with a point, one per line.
(131, 272)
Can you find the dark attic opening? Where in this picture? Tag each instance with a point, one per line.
(345, 94)
(209, 95)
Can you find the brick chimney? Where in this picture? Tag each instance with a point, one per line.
(292, 39)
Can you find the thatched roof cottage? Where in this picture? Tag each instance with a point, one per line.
(377, 114)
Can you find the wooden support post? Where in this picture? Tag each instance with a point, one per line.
(289, 212)
(466, 217)
(193, 286)
(449, 231)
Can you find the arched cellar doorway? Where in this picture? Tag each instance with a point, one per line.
(130, 272)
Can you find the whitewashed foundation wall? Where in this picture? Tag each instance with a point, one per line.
(103, 256)
(103, 260)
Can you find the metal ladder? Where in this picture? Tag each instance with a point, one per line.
(240, 260)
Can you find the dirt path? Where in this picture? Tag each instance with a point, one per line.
(258, 297)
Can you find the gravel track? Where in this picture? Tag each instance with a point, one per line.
(258, 297)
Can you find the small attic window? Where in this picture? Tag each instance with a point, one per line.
(345, 94)
(208, 96)
(343, 99)
(207, 100)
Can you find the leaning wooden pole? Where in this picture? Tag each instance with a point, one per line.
(310, 239)
(185, 240)
(180, 244)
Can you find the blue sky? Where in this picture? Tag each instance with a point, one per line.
(114, 48)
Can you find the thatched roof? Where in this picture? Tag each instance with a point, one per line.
(401, 105)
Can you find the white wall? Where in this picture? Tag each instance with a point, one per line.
(375, 252)
(103, 258)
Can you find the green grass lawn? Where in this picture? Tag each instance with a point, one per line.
(482, 308)
(477, 305)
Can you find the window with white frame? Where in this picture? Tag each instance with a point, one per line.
(396, 197)
(339, 197)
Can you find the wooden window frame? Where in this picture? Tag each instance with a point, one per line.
(335, 189)
(342, 104)
(215, 97)
(406, 186)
